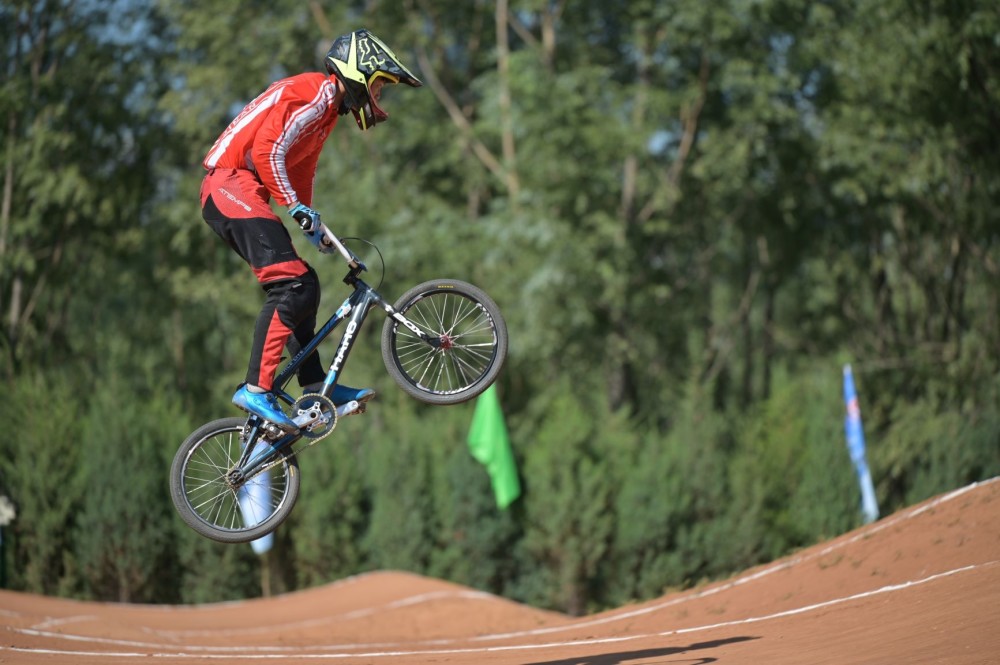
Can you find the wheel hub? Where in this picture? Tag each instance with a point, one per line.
(235, 478)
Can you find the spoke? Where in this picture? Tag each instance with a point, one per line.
(422, 322)
(437, 311)
(460, 364)
(211, 499)
(204, 484)
(472, 311)
(209, 493)
(476, 329)
(465, 324)
(212, 470)
(428, 363)
(459, 369)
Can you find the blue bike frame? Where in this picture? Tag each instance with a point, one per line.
(356, 306)
(354, 310)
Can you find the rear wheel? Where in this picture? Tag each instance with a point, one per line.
(213, 502)
(468, 348)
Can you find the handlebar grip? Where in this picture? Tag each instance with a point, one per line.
(344, 252)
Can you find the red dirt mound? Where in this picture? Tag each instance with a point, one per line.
(919, 586)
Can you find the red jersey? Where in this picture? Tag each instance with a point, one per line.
(279, 136)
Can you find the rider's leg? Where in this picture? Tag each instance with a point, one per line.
(288, 312)
(289, 317)
(235, 205)
(311, 371)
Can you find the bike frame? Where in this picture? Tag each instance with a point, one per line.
(354, 310)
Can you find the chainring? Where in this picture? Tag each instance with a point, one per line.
(319, 407)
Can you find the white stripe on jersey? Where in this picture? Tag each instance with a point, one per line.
(266, 100)
(291, 133)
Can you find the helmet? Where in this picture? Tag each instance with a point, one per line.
(358, 58)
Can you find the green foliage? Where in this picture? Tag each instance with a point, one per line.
(782, 467)
(39, 473)
(929, 449)
(474, 539)
(401, 475)
(212, 572)
(692, 215)
(567, 494)
(125, 527)
(331, 520)
(674, 491)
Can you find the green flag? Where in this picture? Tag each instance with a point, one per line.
(489, 444)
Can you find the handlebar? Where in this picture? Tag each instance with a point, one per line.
(352, 260)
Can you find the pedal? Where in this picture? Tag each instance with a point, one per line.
(349, 408)
(272, 431)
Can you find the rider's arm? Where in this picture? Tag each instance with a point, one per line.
(270, 149)
(302, 176)
(297, 120)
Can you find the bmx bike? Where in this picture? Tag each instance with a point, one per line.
(444, 342)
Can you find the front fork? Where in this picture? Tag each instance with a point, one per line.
(394, 314)
(254, 432)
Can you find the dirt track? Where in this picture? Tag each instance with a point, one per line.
(920, 586)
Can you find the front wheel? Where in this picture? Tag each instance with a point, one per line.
(210, 502)
(467, 347)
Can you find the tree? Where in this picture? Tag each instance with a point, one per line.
(125, 527)
(39, 471)
(567, 501)
(75, 129)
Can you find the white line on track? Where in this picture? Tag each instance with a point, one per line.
(254, 653)
(257, 652)
(785, 564)
(51, 623)
(346, 616)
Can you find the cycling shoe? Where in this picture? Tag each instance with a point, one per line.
(345, 394)
(264, 405)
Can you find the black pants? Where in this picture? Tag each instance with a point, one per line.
(288, 316)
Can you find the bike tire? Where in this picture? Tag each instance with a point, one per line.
(206, 501)
(475, 350)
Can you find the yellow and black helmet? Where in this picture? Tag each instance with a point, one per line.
(358, 58)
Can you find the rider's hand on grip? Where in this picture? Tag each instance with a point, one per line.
(307, 218)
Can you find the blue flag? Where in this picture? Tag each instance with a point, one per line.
(856, 447)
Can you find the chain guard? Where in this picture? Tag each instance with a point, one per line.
(319, 411)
